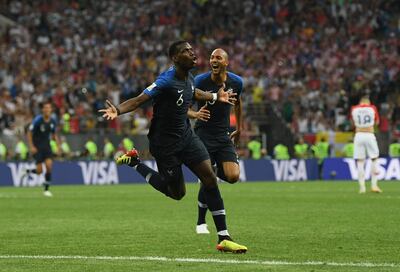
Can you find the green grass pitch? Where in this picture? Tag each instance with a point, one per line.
(285, 224)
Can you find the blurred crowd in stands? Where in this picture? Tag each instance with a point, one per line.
(312, 58)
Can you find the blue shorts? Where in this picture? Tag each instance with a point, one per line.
(42, 155)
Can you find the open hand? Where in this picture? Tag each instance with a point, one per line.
(203, 114)
(226, 97)
(110, 113)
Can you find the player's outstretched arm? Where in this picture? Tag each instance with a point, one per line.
(222, 96)
(203, 114)
(112, 111)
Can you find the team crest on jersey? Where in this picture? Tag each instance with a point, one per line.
(42, 128)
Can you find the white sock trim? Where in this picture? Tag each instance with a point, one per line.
(148, 177)
(218, 212)
(223, 233)
(202, 205)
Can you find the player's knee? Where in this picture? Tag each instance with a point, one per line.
(232, 177)
(209, 181)
(177, 195)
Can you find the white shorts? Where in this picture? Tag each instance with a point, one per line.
(365, 144)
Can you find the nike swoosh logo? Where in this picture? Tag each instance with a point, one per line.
(180, 91)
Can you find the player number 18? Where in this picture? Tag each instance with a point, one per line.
(365, 120)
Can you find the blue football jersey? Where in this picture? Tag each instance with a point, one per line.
(171, 100)
(42, 130)
(219, 120)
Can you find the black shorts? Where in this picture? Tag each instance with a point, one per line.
(190, 152)
(42, 155)
(219, 146)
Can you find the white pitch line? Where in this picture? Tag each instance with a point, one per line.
(196, 260)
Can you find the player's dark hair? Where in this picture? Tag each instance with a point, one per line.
(42, 104)
(174, 48)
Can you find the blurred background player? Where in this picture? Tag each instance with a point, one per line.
(394, 149)
(109, 149)
(365, 116)
(321, 150)
(65, 148)
(21, 150)
(40, 132)
(3, 152)
(348, 149)
(301, 149)
(213, 126)
(90, 149)
(172, 140)
(255, 148)
(281, 152)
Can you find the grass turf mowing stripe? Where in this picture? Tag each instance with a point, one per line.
(194, 260)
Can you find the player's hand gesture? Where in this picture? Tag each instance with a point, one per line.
(203, 114)
(226, 97)
(110, 113)
(235, 137)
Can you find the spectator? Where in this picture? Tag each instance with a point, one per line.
(254, 147)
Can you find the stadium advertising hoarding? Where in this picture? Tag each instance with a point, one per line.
(107, 172)
(346, 169)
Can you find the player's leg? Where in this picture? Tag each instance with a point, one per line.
(359, 156)
(39, 168)
(230, 172)
(226, 159)
(373, 153)
(201, 226)
(173, 176)
(196, 157)
(216, 206)
(361, 175)
(227, 162)
(157, 180)
(49, 166)
(212, 196)
(39, 159)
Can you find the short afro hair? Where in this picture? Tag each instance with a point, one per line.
(174, 48)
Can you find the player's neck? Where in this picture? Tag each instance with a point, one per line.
(181, 74)
(218, 78)
(46, 118)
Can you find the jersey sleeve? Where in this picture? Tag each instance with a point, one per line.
(238, 83)
(35, 124)
(154, 89)
(240, 87)
(197, 82)
(54, 125)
